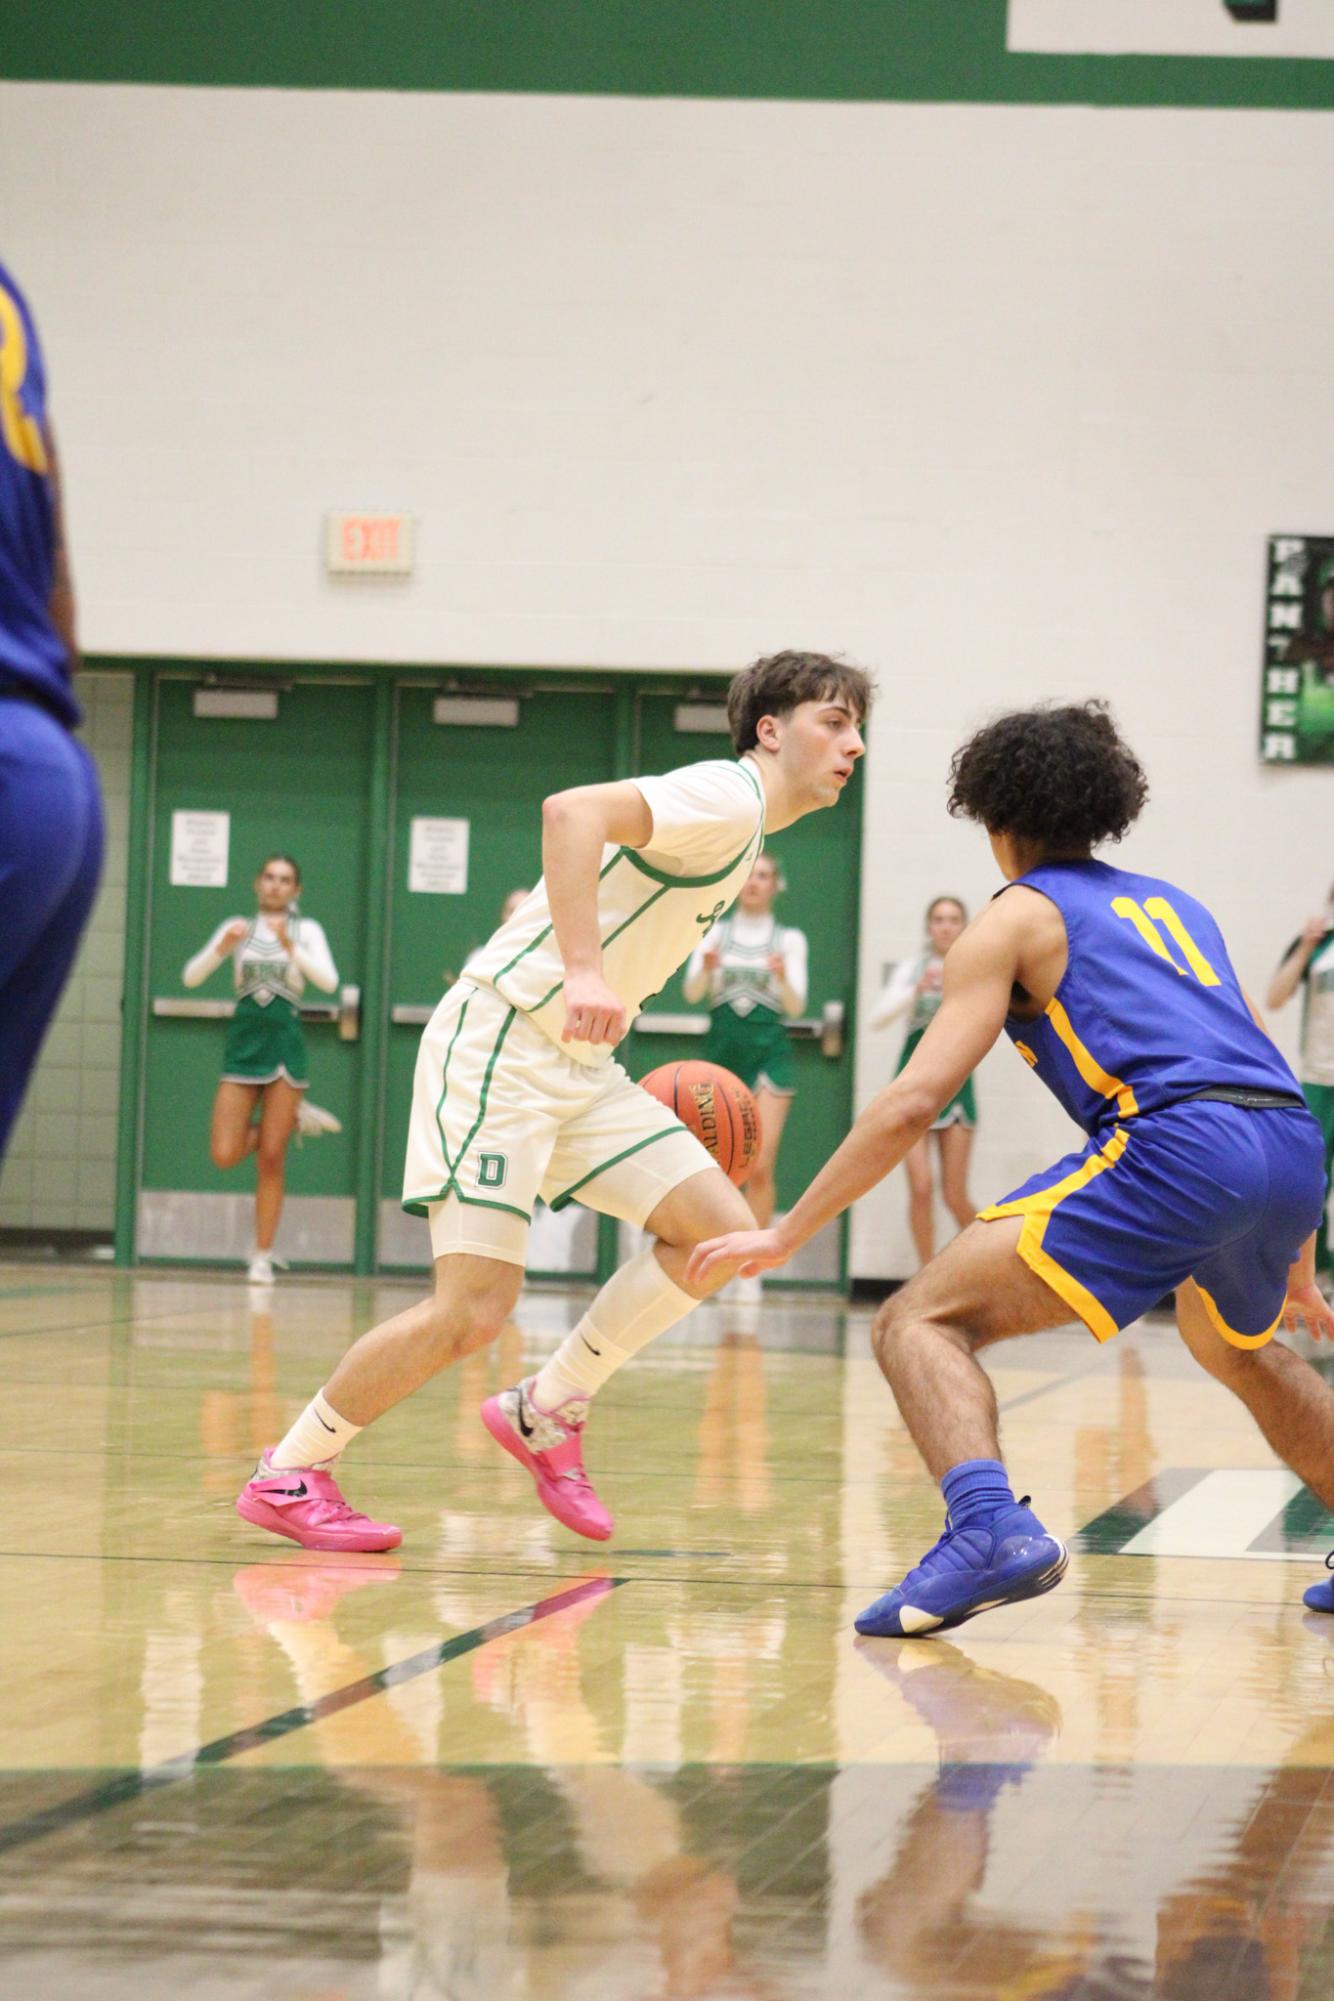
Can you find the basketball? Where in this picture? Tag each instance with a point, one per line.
(714, 1105)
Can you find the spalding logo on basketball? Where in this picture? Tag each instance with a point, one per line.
(714, 1105)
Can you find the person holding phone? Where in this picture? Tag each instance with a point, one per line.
(1308, 963)
(260, 1100)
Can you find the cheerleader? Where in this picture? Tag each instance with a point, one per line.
(914, 988)
(752, 971)
(260, 1102)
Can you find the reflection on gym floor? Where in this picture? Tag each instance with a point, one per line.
(503, 1762)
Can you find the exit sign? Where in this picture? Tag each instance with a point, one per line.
(375, 545)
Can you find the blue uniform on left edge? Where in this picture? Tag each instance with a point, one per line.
(50, 802)
(1203, 1161)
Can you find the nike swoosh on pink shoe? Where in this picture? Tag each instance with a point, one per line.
(563, 1487)
(311, 1512)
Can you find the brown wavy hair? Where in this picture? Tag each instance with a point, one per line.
(779, 683)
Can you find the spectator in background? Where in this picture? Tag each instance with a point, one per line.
(261, 1097)
(50, 800)
(1309, 963)
(752, 971)
(914, 988)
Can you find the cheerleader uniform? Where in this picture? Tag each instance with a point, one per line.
(747, 1034)
(901, 996)
(264, 1038)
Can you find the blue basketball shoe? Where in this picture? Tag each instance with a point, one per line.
(969, 1571)
(1320, 1597)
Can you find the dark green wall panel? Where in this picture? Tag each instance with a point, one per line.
(929, 51)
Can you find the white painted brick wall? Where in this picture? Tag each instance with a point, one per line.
(1003, 400)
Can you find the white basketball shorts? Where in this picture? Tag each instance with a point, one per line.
(500, 1115)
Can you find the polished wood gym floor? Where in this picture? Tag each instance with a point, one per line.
(504, 1763)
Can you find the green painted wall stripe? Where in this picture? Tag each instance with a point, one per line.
(909, 51)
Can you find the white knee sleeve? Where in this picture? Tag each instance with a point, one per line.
(637, 1303)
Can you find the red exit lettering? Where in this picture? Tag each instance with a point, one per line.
(367, 539)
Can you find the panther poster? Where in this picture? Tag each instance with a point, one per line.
(1297, 696)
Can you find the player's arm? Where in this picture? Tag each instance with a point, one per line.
(1304, 1301)
(576, 826)
(61, 601)
(979, 979)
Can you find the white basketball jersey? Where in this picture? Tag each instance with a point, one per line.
(654, 903)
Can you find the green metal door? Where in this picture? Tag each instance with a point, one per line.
(820, 858)
(296, 782)
(487, 760)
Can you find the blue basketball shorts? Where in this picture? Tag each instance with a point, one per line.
(1215, 1192)
(50, 860)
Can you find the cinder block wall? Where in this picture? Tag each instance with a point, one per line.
(60, 1173)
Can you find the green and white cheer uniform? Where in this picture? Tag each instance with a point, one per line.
(747, 1034)
(502, 1110)
(900, 996)
(264, 1038)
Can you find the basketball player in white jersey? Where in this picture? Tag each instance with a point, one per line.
(517, 1095)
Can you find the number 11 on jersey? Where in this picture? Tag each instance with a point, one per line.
(1157, 907)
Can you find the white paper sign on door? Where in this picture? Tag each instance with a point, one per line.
(438, 857)
(199, 844)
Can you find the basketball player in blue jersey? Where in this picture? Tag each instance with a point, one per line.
(1202, 1170)
(50, 804)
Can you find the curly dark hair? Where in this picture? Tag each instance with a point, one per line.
(1061, 776)
(780, 683)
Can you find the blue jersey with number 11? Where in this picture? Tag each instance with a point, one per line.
(1149, 1010)
(32, 653)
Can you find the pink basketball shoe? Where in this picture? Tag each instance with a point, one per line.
(305, 1506)
(550, 1444)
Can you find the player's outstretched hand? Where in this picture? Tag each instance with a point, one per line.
(593, 1011)
(741, 1251)
(1308, 1303)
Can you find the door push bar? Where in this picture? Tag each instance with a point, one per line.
(828, 1031)
(345, 1011)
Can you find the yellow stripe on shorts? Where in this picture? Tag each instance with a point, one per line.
(1037, 1209)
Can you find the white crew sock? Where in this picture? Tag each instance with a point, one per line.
(317, 1437)
(638, 1302)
